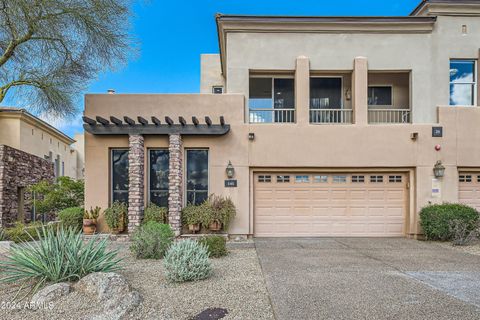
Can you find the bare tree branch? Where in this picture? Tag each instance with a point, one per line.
(51, 49)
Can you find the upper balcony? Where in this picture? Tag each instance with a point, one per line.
(272, 99)
(389, 98)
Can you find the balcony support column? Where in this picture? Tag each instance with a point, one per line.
(360, 90)
(302, 90)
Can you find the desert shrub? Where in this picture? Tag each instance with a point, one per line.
(21, 232)
(222, 209)
(461, 232)
(151, 240)
(57, 257)
(92, 214)
(71, 218)
(64, 193)
(436, 219)
(116, 216)
(193, 214)
(187, 261)
(155, 213)
(3, 235)
(216, 246)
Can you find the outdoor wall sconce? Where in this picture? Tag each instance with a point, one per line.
(251, 136)
(438, 169)
(348, 94)
(230, 170)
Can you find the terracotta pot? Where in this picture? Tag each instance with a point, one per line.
(194, 227)
(215, 225)
(89, 226)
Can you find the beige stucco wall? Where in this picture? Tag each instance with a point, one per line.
(25, 133)
(79, 147)
(298, 146)
(10, 131)
(309, 147)
(426, 55)
(210, 72)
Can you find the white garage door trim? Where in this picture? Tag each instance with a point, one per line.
(350, 204)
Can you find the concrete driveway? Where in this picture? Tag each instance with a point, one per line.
(352, 278)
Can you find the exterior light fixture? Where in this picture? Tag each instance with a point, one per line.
(251, 136)
(464, 30)
(230, 170)
(438, 169)
(348, 94)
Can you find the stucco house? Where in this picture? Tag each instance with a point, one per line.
(335, 126)
(31, 150)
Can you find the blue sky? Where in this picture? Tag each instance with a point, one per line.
(173, 34)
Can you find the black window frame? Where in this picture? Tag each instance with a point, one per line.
(372, 88)
(112, 190)
(149, 185)
(187, 191)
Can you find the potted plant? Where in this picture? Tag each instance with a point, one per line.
(221, 213)
(90, 220)
(116, 217)
(192, 217)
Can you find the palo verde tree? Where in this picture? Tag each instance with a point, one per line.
(50, 49)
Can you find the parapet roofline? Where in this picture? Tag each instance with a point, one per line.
(317, 24)
(447, 7)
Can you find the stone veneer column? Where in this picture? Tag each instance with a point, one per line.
(136, 180)
(175, 180)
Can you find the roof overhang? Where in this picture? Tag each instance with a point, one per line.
(128, 126)
(24, 115)
(447, 8)
(295, 24)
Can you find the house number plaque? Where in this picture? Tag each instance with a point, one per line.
(230, 183)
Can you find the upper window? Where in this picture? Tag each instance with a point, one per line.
(339, 179)
(463, 82)
(376, 179)
(271, 100)
(465, 178)
(159, 170)
(283, 179)
(197, 176)
(217, 89)
(302, 179)
(264, 178)
(326, 93)
(320, 179)
(119, 171)
(380, 96)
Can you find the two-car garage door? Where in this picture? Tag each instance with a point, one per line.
(329, 204)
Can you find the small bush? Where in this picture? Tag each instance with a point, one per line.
(223, 210)
(151, 240)
(187, 261)
(71, 218)
(116, 216)
(436, 219)
(59, 256)
(22, 232)
(216, 246)
(3, 235)
(462, 234)
(193, 214)
(155, 213)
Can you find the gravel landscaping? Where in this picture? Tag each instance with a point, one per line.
(236, 285)
(472, 248)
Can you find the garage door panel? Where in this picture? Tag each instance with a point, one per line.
(469, 189)
(337, 207)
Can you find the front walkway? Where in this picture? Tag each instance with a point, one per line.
(351, 278)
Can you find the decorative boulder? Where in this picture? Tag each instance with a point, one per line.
(113, 291)
(103, 285)
(51, 293)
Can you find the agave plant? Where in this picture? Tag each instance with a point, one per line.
(56, 257)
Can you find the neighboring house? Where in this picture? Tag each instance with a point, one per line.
(334, 126)
(31, 150)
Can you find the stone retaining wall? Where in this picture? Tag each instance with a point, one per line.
(19, 170)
